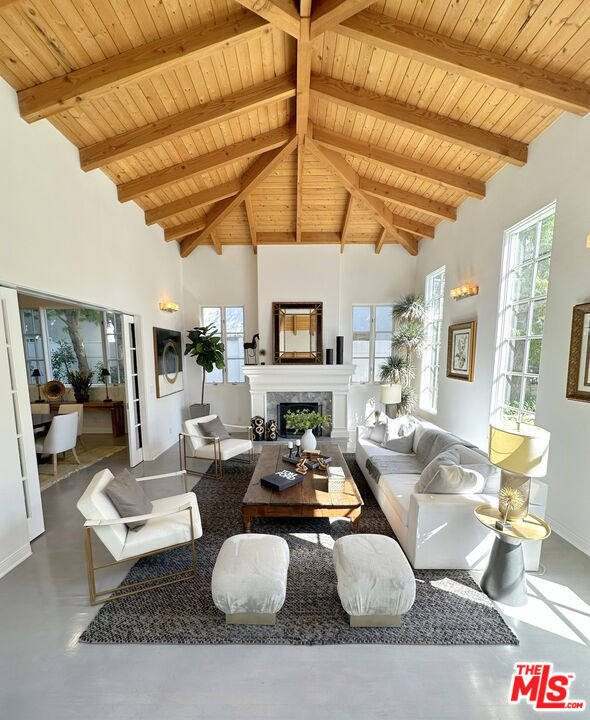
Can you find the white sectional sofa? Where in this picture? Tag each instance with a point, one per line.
(439, 530)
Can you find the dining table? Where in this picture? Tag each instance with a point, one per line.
(42, 420)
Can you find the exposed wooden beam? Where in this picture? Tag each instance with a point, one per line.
(328, 13)
(410, 166)
(299, 189)
(439, 126)
(191, 202)
(256, 174)
(65, 92)
(380, 241)
(471, 61)
(177, 232)
(409, 199)
(289, 238)
(281, 13)
(304, 50)
(346, 223)
(193, 119)
(251, 222)
(202, 164)
(216, 243)
(350, 180)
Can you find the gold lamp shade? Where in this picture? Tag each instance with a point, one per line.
(391, 394)
(523, 450)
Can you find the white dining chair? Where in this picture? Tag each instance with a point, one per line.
(61, 437)
(66, 408)
(39, 408)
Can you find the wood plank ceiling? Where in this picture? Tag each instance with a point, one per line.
(276, 121)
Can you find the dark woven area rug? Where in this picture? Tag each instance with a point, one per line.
(450, 609)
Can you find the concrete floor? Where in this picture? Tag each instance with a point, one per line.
(45, 672)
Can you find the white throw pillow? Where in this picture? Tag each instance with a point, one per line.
(456, 479)
(429, 479)
(378, 431)
(400, 435)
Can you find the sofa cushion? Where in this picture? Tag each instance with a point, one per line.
(129, 497)
(399, 489)
(430, 477)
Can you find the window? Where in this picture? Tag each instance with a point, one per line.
(33, 341)
(113, 347)
(372, 328)
(229, 322)
(523, 299)
(434, 300)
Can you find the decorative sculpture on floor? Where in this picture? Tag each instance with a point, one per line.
(257, 423)
(272, 430)
(250, 351)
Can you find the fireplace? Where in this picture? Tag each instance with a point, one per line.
(284, 407)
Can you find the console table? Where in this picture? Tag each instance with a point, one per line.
(115, 407)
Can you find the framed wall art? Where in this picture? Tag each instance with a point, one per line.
(168, 362)
(578, 374)
(461, 351)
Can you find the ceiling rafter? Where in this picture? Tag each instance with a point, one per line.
(259, 171)
(289, 238)
(403, 163)
(380, 241)
(68, 91)
(473, 62)
(251, 222)
(177, 232)
(191, 120)
(283, 14)
(438, 126)
(350, 179)
(328, 13)
(192, 202)
(203, 164)
(408, 199)
(346, 223)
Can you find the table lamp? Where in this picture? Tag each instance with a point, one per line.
(105, 375)
(521, 454)
(391, 395)
(36, 374)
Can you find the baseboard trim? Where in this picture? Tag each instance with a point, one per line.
(571, 537)
(14, 559)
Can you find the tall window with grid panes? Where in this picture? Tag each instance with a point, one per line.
(229, 322)
(372, 328)
(434, 293)
(523, 300)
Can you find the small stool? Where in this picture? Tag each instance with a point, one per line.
(249, 581)
(376, 584)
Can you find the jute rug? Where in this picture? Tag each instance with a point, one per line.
(450, 609)
(68, 466)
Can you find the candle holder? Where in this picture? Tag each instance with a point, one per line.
(290, 446)
(298, 451)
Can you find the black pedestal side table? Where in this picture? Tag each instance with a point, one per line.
(504, 579)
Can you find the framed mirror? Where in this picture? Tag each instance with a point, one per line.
(297, 333)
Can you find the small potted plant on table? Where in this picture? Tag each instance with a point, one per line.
(306, 421)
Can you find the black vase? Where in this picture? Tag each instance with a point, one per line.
(339, 350)
(329, 356)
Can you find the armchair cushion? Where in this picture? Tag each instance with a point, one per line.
(129, 497)
(228, 449)
(214, 428)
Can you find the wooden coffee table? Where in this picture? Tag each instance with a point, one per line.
(307, 499)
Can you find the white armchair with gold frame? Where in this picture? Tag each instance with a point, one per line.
(174, 522)
(192, 444)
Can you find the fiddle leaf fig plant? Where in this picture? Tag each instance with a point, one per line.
(206, 347)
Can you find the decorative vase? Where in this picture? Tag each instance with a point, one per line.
(82, 397)
(308, 441)
(339, 350)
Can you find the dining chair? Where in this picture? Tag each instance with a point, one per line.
(66, 408)
(61, 437)
(40, 409)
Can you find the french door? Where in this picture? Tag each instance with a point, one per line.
(132, 390)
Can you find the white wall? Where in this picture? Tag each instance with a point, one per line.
(557, 169)
(64, 232)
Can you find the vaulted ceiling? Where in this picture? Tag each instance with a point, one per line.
(321, 121)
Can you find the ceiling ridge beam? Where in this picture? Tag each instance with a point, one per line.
(326, 14)
(403, 163)
(203, 164)
(350, 179)
(471, 61)
(424, 121)
(93, 81)
(282, 14)
(408, 199)
(192, 202)
(191, 120)
(289, 238)
(262, 167)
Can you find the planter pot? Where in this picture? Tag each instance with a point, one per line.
(308, 441)
(82, 397)
(197, 410)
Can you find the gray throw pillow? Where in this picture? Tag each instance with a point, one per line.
(377, 433)
(214, 428)
(430, 475)
(129, 497)
(457, 479)
(401, 444)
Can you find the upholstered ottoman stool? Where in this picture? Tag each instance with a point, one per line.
(249, 580)
(376, 584)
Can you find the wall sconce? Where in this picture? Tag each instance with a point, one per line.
(588, 241)
(464, 291)
(169, 307)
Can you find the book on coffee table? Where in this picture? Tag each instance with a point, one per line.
(310, 463)
(281, 480)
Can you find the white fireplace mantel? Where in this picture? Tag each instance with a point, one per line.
(335, 379)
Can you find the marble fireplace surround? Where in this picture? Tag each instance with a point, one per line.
(328, 385)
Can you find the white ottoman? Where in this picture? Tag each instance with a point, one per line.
(249, 580)
(376, 584)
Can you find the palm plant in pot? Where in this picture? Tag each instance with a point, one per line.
(206, 347)
(80, 382)
(306, 421)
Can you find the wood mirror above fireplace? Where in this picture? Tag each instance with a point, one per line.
(297, 333)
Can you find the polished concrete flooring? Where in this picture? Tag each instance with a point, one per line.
(46, 673)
